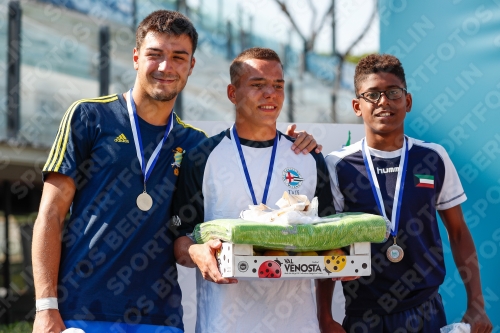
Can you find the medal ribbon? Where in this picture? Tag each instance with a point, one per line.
(134, 123)
(244, 167)
(398, 194)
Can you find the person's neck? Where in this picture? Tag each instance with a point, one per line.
(255, 133)
(151, 111)
(385, 142)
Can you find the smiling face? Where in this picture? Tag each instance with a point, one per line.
(163, 65)
(385, 118)
(258, 96)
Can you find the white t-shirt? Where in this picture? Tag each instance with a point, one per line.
(214, 167)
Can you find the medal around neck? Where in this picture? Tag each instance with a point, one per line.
(395, 253)
(144, 201)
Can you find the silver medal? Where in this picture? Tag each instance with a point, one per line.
(144, 201)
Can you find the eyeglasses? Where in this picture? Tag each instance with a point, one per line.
(374, 96)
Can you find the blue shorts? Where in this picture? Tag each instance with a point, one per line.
(104, 326)
(428, 317)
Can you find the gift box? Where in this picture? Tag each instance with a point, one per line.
(239, 261)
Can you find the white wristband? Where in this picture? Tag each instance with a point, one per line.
(46, 304)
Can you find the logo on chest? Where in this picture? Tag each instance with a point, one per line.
(121, 138)
(387, 170)
(178, 154)
(291, 178)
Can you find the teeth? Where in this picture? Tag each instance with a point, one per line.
(384, 114)
(267, 107)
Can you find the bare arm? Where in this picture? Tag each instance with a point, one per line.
(465, 256)
(58, 193)
(324, 295)
(189, 254)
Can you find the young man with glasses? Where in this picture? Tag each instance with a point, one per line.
(406, 181)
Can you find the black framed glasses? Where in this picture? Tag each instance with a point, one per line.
(374, 96)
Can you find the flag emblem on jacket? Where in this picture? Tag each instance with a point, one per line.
(425, 181)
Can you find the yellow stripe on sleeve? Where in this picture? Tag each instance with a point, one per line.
(183, 124)
(55, 146)
(60, 144)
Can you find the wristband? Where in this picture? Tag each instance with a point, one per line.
(46, 304)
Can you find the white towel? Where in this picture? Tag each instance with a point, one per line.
(456, 328)
(294, 209)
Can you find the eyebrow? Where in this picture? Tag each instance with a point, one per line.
(263, 79)
(161, 51)
(388, 87)
(153, 49)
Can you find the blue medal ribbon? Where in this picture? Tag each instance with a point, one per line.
(245, 168)
(134, 122)
(398, 194)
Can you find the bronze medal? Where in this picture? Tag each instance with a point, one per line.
(395, 253)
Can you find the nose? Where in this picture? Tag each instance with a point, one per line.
(269, 91)
(383, 95)
(164, 65)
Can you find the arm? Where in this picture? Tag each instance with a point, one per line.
(465, 256)
(58, 193)
(324, 295)
(189, 254)
(325, 287)
(189, 210)
(304, 142)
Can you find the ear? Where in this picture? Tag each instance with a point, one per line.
(409, 102)
(231, 93)
(193, 61)
(356, 107)
(135, 57)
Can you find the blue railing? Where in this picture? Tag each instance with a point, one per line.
(211, 31)
(60, 58)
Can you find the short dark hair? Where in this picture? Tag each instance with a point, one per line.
(376, 63)
(236, 68)
(169, 22)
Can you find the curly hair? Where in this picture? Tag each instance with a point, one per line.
(169, 22)
(236, 68)
(376, 63)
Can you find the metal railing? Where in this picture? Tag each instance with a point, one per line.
(61, 60)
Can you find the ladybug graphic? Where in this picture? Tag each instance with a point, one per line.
(270, 269)
(335, 264)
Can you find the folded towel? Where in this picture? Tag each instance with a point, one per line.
(342, 230)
